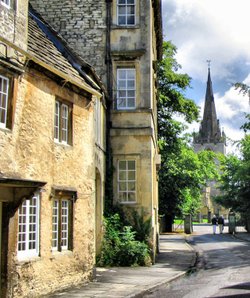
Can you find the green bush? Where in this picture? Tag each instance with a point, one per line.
(119, 247)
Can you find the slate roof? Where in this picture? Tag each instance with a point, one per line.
(42, 46)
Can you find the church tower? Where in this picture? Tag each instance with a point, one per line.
(210, 136)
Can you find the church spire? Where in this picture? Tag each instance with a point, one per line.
(210, 128)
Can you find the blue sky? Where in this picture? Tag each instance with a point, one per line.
(216, 30)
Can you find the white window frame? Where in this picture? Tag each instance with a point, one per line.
(61, 220)
(126, 5)
(61, 123)
(126, 178)
(28, 225)
(4, 107)
(126, 88)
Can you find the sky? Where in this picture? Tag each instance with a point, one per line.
(216, 30)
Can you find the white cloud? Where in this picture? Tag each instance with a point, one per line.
(217, 30)
(208, 29)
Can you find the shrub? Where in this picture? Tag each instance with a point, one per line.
(119, 247)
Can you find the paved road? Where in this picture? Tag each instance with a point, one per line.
(222, 269)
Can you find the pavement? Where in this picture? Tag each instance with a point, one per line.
(175, 259)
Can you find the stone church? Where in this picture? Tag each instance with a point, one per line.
(210, 137)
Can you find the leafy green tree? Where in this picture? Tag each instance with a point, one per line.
(235, 180)
(183, 172)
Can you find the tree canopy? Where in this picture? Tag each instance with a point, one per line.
(183, 172)
(235, 180)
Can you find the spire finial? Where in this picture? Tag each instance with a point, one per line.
(208, 63)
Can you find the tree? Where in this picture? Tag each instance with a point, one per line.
(235, 180)
(183, 172)
(245, 90)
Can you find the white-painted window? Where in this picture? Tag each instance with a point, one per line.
(28, 228)
(6, 3)
(4, 93)
(126, 12)
(61, 224)
(62, 123)
(126, 88)
(127, 181)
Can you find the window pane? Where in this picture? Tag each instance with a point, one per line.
(127, 180)
(121, 74)
(122, 196)
(131, 10)
(28, 222)
(126, 88)
(131, 165)
(56, 124)
(131, 20)
(131, 186)
(121, 20)
(131, 84)
(131, 74)
(55, 219)
(122, 10)
(131, 94)
(122, 186)
(65, 115)
(131, 175)
(64, 227)
(4, 88)
(131, 197)
(122, 164)
(122, 175)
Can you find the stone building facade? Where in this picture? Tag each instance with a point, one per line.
(123, 41)
(52, 157)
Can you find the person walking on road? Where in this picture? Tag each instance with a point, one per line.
(221, 223)
(214, 223)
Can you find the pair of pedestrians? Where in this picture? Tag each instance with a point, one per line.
(218, 221)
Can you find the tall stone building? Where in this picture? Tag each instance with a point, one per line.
(210, 137)
(123, 40)
(52, 158)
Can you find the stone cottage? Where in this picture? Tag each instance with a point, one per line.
(123, 41)
(52, 144)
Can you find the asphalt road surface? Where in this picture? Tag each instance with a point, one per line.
(222, 268)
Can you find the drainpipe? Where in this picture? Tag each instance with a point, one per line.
(109, 77)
